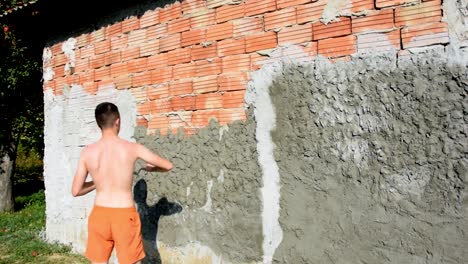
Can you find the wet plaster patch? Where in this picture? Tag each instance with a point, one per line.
(216, 180)
(373, 160)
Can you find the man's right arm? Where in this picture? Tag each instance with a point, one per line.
(156, 162)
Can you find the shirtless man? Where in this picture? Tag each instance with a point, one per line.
(110, 162)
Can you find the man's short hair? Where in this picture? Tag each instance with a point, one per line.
(106, 114)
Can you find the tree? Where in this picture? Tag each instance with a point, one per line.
(21, 102)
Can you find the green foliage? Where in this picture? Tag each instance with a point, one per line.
(36, 199)
(20, 236)
(21, 100)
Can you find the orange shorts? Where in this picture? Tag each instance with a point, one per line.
(119, 227)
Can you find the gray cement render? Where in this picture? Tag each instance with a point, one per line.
(373, 158)
(211, 197)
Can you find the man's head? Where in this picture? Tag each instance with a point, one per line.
(107, 116)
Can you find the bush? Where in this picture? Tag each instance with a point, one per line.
(35, 199)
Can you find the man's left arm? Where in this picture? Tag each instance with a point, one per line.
(80, 187)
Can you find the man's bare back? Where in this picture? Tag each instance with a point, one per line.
(110, 162)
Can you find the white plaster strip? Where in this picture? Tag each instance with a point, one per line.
(258, 95)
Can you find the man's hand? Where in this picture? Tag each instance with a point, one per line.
(151, 168)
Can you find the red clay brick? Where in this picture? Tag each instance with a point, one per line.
(102, 47)
(192, 37)
(160, 106)
(234, 99)
(119, 42)
(262, 41)
(139, 94)
(356, 6)
(87, 76)
(191, 6)
(373, 21)
(158, 122)
(82, 40)
(236, 63)
(113, 57)
(102, 73)
(205, 84)
(98, 61)
(427, 12)
(179, 56)
(170, 12)
(170, 43)
(150, 47)
(425, 35)
(280, 18)
(136, 37)
(337, 47)
(142, 79)
(156, 32)
(85, 52)
(157, 61)
(130, 24)
(231, 47)
(247, 26)
(181, 87)
(226, 116)
(161, 75)
(60, 58)
(232, 82)
(288, 3)
(209, 101)
(149, 18)
(158, 91)
(59, 71)
(97, 35)
(310, 12)
(229, 12)
(388, 3)
(81, 65)
(56, 49)
(90, 87)
(118, 69)
(183, 103)
(256, 7)
(334, 29)
(130, 53)
(123, 82)
(202, 118)
(203, 18)
(368, 43)
(295, 34)
(206, 68)
(186, 70)
(137, 65)
(178, 25)
(200, 52)
(114, 30)
(220, 31)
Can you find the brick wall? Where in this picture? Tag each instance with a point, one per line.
(190, 61)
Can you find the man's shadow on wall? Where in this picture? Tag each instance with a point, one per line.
(150, 216)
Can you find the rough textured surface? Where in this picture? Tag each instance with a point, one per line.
(216, 182)
(373, 161)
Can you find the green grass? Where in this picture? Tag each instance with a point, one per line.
(20, 236)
